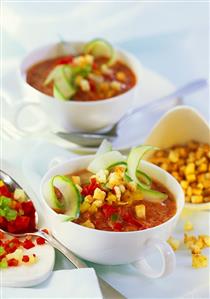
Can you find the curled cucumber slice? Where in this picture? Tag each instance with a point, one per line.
(104, 147)
(134, 158)
(61, 76)
(105, 160)
(100, 47)
(133, 172)
(153, 195)
(144, 178)
(68, 201)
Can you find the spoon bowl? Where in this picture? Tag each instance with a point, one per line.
(107, 290)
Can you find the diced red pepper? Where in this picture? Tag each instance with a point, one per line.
(4, 191)
(89, 189)
(20, 224)
(25, 259)
(65, 60)
(27, 244)
(12, 262)
(28, 208)
(40, 241)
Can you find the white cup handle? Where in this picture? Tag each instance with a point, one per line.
(36, 127)
(168, 260)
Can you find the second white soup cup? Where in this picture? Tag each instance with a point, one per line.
(114, 248)
(77, 115)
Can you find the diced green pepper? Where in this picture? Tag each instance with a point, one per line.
(4, 201)
(2, 251)
(11, 214)
(3, 263)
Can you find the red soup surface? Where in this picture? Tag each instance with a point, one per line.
(121, 215)
(103, 83)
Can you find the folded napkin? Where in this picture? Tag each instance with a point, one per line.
(77, 283)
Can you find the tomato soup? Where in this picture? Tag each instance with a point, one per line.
(99, 83)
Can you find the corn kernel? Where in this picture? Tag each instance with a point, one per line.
(121, 76)
(84, 85)
(116, 85)
(89, 59)
(88, 223)
(88, 199)
(189, 191)
(111, 198)
(99, 194)
(93, 209)
(199, 261)
(76, 179)
(206, 240)
(84, 207)
(184, 184)
(78, 80)
(196, 191)
(106, 70)
(191, 178)
(190, 169)
(202, 168)
(174, 243)
(1, 183)
(173, 156)
(140, 211)
(196, 198)
(188, 226)
(98, 203)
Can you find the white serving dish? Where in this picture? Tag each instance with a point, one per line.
(178, 126)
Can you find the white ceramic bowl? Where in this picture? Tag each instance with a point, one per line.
(178, 126)
(78, 115)
(111, 248)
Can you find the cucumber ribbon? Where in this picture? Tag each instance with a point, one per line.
(133, 163)
(69, 203)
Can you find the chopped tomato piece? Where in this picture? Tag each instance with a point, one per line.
(4, 191)
(40, 241)
(12, 262)
(65, 60)
(27, 244)
(25, 259)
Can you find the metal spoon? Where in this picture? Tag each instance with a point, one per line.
(107, 290)
(95, 139)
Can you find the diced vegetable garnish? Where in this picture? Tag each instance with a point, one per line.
(100, 47)
(64, 196)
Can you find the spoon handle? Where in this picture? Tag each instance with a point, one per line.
(179, 93)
